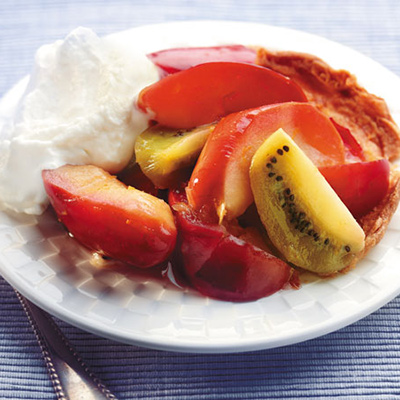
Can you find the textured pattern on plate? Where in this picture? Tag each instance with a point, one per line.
(139, 307)
(52, 270)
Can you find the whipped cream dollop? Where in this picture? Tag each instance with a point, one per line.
(78, 108)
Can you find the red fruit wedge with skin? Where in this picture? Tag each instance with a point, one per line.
(220, 183)
(109, 217)
(218, 264)
(174, 60)
(361, 185)
(354, 151)
(207, 92)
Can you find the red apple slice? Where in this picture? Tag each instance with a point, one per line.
(220, 182)
(354, 151)
(220, 265)
(360, 185)
(207, 92)
(177, 59)
(109, 217)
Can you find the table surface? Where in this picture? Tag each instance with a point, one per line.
(361, 361)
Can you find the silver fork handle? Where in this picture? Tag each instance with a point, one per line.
(69, 375)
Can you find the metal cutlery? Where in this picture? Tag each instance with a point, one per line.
(69, 375)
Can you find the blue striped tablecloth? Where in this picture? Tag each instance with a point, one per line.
(361, 361)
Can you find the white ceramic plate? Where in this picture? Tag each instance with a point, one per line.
(52, 270)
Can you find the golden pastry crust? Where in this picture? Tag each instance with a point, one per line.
(338, 95)
(375, 223)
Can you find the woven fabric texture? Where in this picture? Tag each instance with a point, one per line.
(361, 361)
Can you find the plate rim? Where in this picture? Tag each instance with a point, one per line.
(248, 344)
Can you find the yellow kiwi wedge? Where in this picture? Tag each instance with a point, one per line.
(164, 153)
(304, 217)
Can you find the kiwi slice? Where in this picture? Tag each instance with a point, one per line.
(163, 154)
(304, 217)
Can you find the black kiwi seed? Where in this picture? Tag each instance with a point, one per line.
(304, 225)
(310, 232)
(279, 178)
(273, 160)
(283, 205)
(347, 248)
(271, 174)
(326, 241)
(286, 148)
(291, 197)
(269, 165)
(280, 152)
(287, 191)
(302, 215)
(303, 228)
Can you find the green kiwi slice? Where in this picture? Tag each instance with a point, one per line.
(304, 217)
(163, 153)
